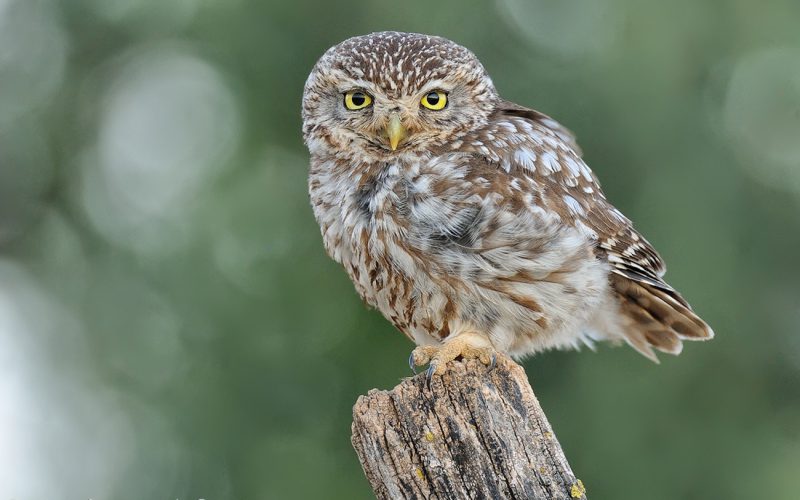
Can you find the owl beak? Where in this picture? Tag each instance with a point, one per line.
(395, 131)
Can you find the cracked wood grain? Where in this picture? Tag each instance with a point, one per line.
(471, 434)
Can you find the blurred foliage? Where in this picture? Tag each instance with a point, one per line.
(170, 326)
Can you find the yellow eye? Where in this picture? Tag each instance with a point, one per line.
(357, 99)
(435, 100)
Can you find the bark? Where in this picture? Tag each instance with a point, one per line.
(473, 433)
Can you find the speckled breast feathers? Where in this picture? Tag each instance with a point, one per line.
(484, 219)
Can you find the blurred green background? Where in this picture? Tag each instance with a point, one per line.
(170, 326)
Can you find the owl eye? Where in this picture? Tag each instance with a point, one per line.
(357, 99)
(435, 100)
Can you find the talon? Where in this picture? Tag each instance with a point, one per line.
(429, 374)
(411, 363)
(463, 346)
(422, 355)
(493, 363)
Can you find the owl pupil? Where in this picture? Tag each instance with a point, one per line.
(358, 99)
(433, 98)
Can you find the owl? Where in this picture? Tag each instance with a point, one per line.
(472, 223)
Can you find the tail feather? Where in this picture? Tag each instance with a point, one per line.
(657, 317)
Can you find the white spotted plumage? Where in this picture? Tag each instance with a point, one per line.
(485, 219)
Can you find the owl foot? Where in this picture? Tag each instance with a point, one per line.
(465, 345)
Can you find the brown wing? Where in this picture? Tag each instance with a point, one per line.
(511, 109)
(656, 316)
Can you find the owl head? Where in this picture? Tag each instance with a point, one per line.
(388, 93)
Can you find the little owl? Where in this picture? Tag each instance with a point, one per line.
(472, 223)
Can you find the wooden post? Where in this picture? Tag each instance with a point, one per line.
(473, 433)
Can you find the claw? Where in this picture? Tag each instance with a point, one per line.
(429, 374)
(493, 363)
(462, 346)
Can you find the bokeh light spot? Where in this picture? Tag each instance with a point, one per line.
(761, 115)
(565, 28)
(33, 49)
(147, 15)
(169, 124)
(62, 437)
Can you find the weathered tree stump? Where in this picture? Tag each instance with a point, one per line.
(471, 434)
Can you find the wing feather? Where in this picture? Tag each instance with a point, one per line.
(656, 316)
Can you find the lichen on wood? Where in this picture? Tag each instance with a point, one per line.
(471, 433)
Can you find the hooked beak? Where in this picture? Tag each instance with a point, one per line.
(395, 131)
